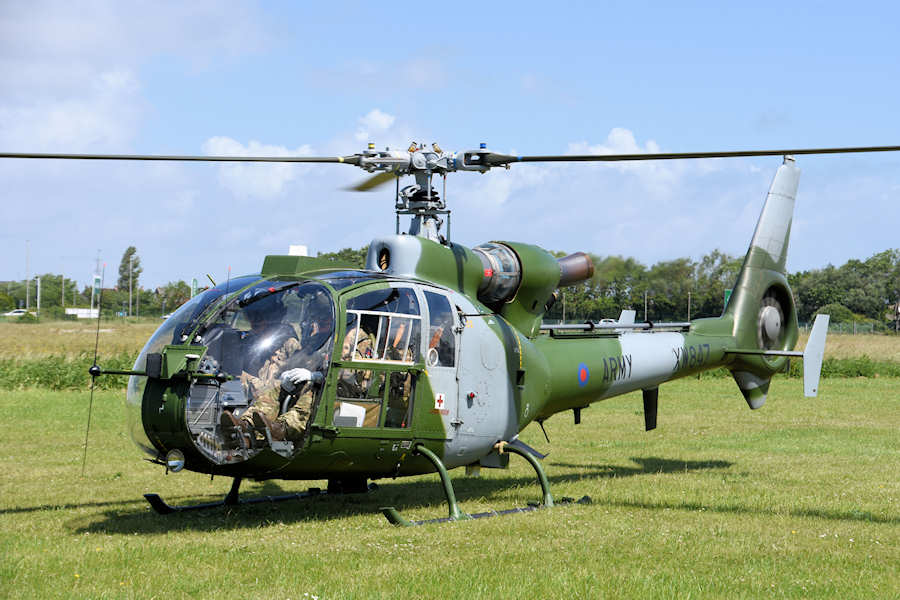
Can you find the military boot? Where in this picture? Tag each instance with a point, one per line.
(276, 428)
(237, 432)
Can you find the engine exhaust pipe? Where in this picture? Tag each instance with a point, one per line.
(575, 268)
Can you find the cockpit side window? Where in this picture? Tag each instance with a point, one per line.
(361, 398)
(441, 350)
(383, 325)
(393, 300)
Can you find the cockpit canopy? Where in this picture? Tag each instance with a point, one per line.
(255, 328)
(254, 335)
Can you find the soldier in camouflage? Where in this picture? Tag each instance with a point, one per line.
(359, 345)
(275, 385)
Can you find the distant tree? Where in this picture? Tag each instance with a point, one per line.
(6, 302)
(135, 269)
(814, 289)
(838, 313)
(174, 294)
(715, 273)
(668, 285)
(348, 256)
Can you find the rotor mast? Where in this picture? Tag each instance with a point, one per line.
(420, 201)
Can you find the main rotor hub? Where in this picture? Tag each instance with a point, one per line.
(420, 201)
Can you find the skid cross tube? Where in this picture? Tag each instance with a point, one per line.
(455, 514)
(542, 476)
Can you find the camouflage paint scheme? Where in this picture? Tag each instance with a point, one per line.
(508, 372)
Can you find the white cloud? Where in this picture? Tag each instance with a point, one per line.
(657, 176)
(70, 71)
(105, 115)
(618, 141)
(375, 123)
(249, 180)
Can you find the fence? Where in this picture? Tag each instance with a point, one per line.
(869, 328)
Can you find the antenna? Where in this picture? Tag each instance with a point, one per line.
(94, 371)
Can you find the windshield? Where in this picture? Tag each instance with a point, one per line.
(269, 328)
(170, 332)
(266, 330)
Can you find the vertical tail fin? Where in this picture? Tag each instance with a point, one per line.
(773, 230)
(761, 306)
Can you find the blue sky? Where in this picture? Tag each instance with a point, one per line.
(530, 78)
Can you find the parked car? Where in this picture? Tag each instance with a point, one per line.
(18, 312)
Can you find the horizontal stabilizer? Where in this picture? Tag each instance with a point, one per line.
(813, 356)
(627, 317)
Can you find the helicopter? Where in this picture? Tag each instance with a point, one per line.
(435, 355)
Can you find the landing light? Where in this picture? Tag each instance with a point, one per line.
(175, 460)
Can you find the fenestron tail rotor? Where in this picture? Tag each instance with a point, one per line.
(770, 325)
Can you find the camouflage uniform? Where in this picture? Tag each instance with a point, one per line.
(400, 383)
(354, 383)
(265, 388)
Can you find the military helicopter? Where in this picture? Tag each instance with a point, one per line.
(435, 356)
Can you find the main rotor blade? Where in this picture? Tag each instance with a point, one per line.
(492, 159)
(372, 182)
(350, 160)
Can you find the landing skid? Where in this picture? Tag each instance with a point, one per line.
(395, 518)
(233, 499)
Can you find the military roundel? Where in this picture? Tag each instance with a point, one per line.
(583, 374)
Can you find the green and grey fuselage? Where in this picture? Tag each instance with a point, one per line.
(474, 368)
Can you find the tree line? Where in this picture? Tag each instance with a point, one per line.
(676, 290)
(682, 289)
(127, 296)
(858, 291)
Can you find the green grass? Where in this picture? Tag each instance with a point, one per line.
(798, 499)
(75, 338)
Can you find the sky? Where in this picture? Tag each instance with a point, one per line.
(311, 78)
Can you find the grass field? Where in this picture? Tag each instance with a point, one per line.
(73, 338)
(798, 499)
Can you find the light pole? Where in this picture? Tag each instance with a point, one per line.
(27, 277)
(130, 262)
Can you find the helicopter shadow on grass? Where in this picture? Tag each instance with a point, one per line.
(411, 496)
(406, 495)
